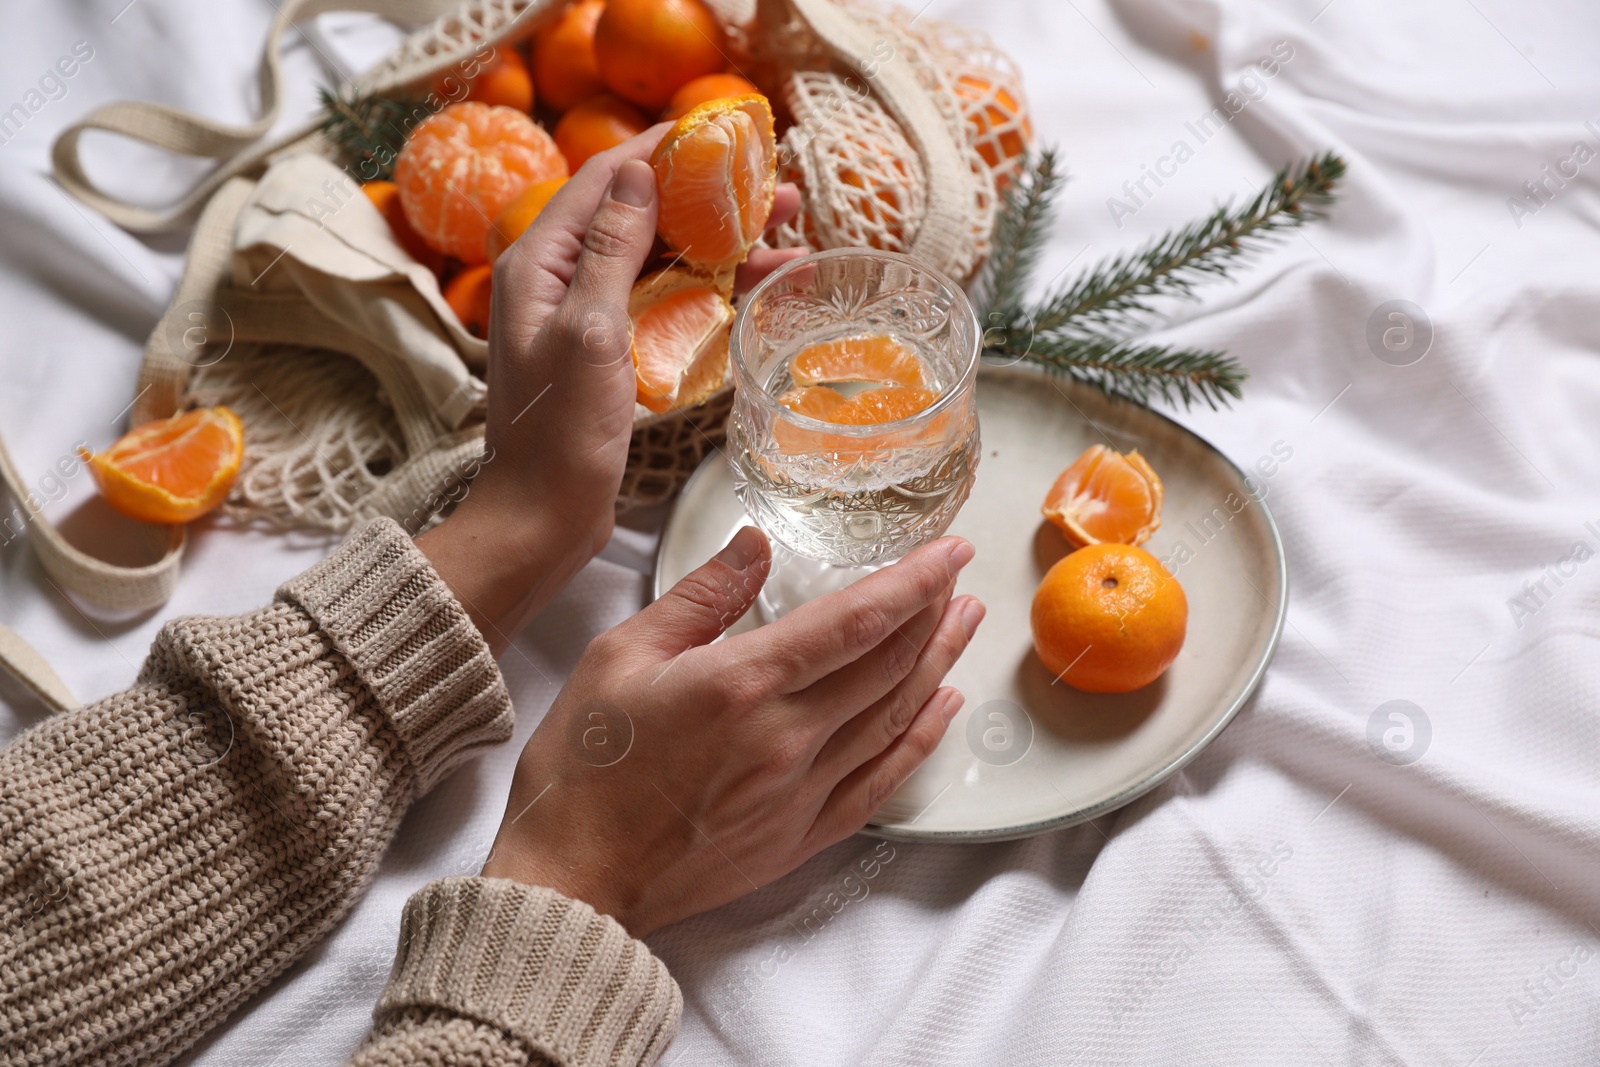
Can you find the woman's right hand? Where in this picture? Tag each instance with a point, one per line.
(673, 775)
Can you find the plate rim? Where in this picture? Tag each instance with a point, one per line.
(1144, 785)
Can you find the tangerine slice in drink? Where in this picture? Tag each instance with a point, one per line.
(680, 324)
(868, 358)
(890, 403)
(173, 470)
(1106, 497)
(716, 174)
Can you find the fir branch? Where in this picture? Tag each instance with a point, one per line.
(368, 131)
(1116, 295)
(1021, 229)
(1138, 372)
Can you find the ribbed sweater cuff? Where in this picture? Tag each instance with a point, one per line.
(385, 609)
(549, 970)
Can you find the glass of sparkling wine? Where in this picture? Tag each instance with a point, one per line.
(854, 431)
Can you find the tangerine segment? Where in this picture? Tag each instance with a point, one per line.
(680, 338)
(703, 89)
(1109, 619)
(565, 70)
(461, 166)
(817, 401)
(173, 470)
(889, 404)
(515, 218)
(870, 358)
(648, 49)
(599, 123)
(1106, 496)
(716, 173)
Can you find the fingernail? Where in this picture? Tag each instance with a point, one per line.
(972, 614)
(742, 551)
(635, 184)
(952, 704)
(962, 554)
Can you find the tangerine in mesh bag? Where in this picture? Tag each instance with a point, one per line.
(460, 167)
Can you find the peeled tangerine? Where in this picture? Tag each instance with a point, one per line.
(716, 174)
(1106, 496)
(173, 470)
(681, 320)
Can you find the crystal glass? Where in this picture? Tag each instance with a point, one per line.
(839, 500)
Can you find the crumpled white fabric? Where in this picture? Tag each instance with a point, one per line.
(1292, 897)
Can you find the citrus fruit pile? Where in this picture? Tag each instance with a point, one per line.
(472, 177)
(1108, 618)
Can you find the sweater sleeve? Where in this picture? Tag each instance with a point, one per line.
(167, 851)
(490, 973)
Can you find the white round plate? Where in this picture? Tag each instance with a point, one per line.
(1027, 754)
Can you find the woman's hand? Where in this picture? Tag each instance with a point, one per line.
(561, 392)
(673, 775)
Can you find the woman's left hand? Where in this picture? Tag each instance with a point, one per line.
(561, 391)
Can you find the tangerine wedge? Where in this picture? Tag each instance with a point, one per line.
(681, 321)
(717, 173)
(1106, 497)
(461, 166)
(870, 358)
(174, 470)
(888, 404)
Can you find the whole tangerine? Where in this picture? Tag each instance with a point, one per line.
(1109, 618)
(504, 80)
(462, 165)
(515, 218)
(649, 49)
(707, 87)
(565, 70)
(468, 295)
(599, 123)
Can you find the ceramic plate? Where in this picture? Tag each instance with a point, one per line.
(1027, 754)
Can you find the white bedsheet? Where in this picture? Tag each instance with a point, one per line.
(1289, 898)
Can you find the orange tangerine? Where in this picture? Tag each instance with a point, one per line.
(385, 196)
(988, 108)
(564, 66)
(888, 404)
(461, 166)
(681, 321)
(649, 49)
(1106, 496)
(503, 81)
(174, 470)
(1109, 619)
(869, 358)
(599, 123)
(706, 88)
(515, 218)
(816, 401)
(468, 296)
(717, 173)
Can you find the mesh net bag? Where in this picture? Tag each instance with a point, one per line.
(900, 131)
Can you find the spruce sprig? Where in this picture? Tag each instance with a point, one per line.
(1083, 328)
(368, 130)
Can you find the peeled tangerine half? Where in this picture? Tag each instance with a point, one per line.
(716, 173)
(681, 320)
(173, 470)
(1106, 497)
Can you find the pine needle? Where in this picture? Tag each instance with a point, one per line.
(1083, 329)
(368, 131)
(1117, 294)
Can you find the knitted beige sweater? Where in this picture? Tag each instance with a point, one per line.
(166, 852)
